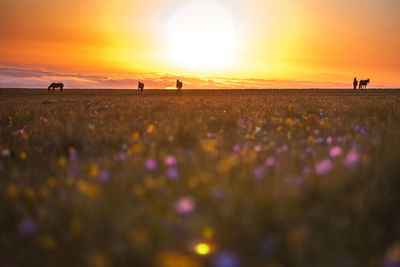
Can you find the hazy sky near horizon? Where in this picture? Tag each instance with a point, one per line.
(219, 43)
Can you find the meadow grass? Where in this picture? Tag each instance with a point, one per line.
(222, 179)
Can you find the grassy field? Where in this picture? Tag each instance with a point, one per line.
(202, 178)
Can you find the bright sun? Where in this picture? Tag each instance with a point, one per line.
(201, 34)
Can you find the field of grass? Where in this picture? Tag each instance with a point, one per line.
(202, 178)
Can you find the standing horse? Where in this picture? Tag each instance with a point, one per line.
(178, 85)
(363, 84)
(55, 86)
(140, 87)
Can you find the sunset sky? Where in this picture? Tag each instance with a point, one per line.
(205, 43)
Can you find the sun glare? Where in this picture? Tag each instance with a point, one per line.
(201, 35)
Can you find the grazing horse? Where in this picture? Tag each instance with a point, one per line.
(363, 84)
(140, 87)
(178, 85)
(55, 86)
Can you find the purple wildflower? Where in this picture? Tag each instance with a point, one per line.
(259, 173)
(172, 173)
(170, 161)
(217, 193)
(225, 259)
(236, 148)
(104, 176)
(257, 148)
(121, 156)
(151, 164)
(329, 140)
(27, 226)
(74, 169)
(185, 205)
(335, 152)
(351, 158)
(271, 161)
(323, 167)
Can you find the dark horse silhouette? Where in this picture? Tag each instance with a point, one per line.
(140, 87)
(55, 86)
(178, 85)
(363, 84)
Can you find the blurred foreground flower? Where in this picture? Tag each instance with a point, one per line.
(236, 148)
(271, 161)
(104, 175)
(335, 152)
(170, 161)
(151, 164)
(225, 259)
(27, 226)
(172, 173)
(202, 248)
(351, 158)
(392, 256)
(185, 205)
(323, 167)
(176, 259)
(259, 173)
(217, 193)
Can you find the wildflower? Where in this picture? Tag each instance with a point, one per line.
(74, 169)
(202, 248)
(104, 175)
(62, 161)
(73, 154)
(257, 148)
(208, 232)
(170, 161)
(151, 164)
(171, 258)
(236, 148)
(392, 256)
(283, 148)
(44, 119)
(12, 190)
(121, 156)
(172, 173)
(150, 128)
(217, 193)
(271, 161)
(323, 167)
(329, 140)
(22, 155)
(185, 205)
(27, 226)
(5, 152)
(335, 152)
(87, 189)
(225, 259)
(259, 173)
(351, 158)
(94, 170)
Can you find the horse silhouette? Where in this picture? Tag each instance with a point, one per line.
(140, 87)
(178, 85)
(363, 84)
(55, 86)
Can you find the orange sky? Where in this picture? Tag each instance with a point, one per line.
(207, 43)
